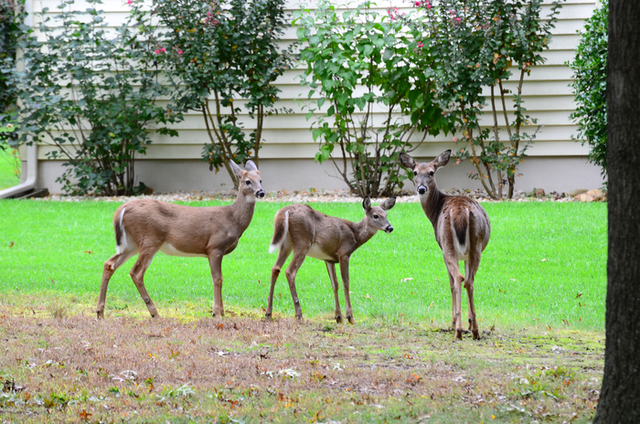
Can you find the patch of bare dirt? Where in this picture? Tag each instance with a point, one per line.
(79, 369)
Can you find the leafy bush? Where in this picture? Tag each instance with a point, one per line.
(477, 44)
(215, 52)
(11, 16)
(590, 85)
(91, 93)
(360, 62)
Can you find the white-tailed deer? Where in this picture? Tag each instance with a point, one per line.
(307, 232)
(462, 230)
(145, 226)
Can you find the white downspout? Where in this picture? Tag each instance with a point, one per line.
(32, 150)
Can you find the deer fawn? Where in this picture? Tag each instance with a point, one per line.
(462, 230)
(307, 232)
(145, 226)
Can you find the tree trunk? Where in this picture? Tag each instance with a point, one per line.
(621, 383)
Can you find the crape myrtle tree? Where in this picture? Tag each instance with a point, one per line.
(621, 383)
(477, 45)
(222, 58)
(91, 93)
(590, 85)
(361, 65)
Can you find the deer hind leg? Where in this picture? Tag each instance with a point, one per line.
(471, 267)
(283, 254)
(331, 270)
(453, 300)
(451, 262)
(110, 267)
(215, 262)
(137, 275)
(292, 270)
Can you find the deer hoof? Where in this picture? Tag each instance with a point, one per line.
(100, 314)
(267, 315)
(458, 335)
(338, 319)
(476, 335)
(351, 320)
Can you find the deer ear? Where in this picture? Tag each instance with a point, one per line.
(407, 161)
(388, 204)
(366, 203)
(236, 169)
(250, 166)
(443, 159)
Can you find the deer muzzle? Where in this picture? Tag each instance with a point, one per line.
(388, 229)
(260, 193)
(422, 190)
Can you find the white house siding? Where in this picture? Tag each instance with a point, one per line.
(555, 162)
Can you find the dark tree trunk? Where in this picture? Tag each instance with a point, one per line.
(620, 395)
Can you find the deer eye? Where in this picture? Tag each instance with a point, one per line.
(375, 216)
(415, 173)
(248, 182)
(260, 181)
(432, 173)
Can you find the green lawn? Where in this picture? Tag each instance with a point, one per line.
(545, 265)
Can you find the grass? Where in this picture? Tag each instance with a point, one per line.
(544, 265)
(539, 293)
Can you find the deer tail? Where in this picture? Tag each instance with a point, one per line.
(121, 233)
(460, 230)
(281, 228)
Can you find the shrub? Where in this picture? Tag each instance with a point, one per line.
(91, 93)
(360, 62)
(478, 44)
(215, 52)
(590, 85)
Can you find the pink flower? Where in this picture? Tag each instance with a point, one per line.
(157, 52)
(180, 51)
(163, 50)
(129, 2)
(417, 3)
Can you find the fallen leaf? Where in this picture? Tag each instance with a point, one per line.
(11, 243)
(88, 251)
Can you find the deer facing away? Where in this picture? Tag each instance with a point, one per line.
(146, 226)
(307, 232)
(462, 230)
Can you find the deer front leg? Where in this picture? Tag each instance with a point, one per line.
(283, 254)
(292, 270)
(451, 261)
(331, 269)
(452, 285)
(215, 262)
(137, 275)
(344, 273)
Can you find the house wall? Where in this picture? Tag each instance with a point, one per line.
(555, 163)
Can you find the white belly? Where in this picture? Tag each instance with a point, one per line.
(316, 252)
(169, 249)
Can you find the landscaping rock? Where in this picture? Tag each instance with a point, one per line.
(592, 196)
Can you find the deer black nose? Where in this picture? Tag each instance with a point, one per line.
(422, 190)
(388, 229)
(260, 193)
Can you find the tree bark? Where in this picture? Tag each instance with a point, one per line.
(619, 398)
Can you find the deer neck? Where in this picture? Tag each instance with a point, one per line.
(432, 203)
(363, 232)
(242, 209)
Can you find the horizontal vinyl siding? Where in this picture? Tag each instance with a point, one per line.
(547, 97)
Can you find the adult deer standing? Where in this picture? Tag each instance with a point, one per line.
(145, 226)
(462, 230)
(307, 232)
